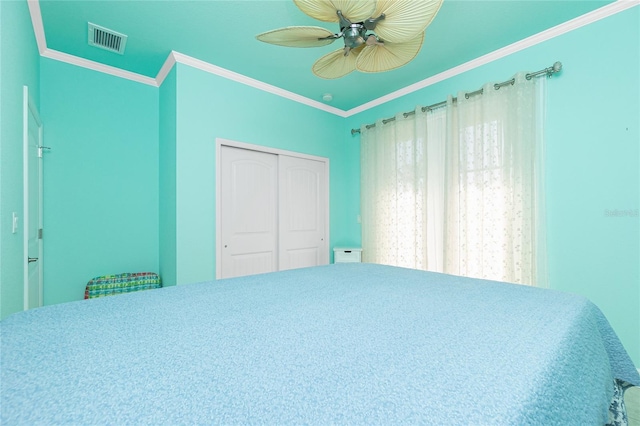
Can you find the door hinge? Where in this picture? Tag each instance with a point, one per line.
(40, 233)
(40, 149)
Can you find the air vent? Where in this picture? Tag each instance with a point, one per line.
(107, 39)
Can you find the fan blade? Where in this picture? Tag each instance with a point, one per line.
(335, 64)
(298, 37)
(325, 10)
(388, 56)
(404, 19)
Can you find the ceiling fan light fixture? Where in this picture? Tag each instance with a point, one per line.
(378, 35)
(373, 41)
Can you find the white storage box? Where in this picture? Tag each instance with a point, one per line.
(347, 255)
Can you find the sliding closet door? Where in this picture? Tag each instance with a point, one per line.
(249, 212)
(302, 215)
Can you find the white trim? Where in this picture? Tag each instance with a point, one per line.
(38, 27)
(234, 76)
(40, 211)
(29, 109)
(565, 27)
(96, 66)
(218, 241)
(166, 68)
(25, 198)
(580, 21)
(266, 149)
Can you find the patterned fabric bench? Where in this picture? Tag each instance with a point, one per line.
(108, 285)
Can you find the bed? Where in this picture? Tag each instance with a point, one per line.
(335, 344)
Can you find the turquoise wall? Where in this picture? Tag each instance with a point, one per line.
(100, 179)
(167, 180)
(592, 161)
(211, 107)
(593, 167)
(19, 66)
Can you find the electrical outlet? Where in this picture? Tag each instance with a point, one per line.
(14, 226)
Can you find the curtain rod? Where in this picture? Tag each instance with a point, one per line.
(556, 67)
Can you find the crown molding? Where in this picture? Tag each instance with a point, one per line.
(257, 84)
(175, 57)
(38, 27)
(165, 69)
(96, 66)
(565, 27)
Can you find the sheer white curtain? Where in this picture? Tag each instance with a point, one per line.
(458, 189)
(401, 207)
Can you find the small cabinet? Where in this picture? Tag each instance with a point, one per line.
(347, 255)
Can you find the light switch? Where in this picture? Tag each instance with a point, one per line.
(14, 227)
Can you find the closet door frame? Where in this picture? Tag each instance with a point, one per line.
(220, 142)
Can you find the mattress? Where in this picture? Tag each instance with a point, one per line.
(336, 344)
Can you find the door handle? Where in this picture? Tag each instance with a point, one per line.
(33, 259)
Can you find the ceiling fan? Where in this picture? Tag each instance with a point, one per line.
(378, 35)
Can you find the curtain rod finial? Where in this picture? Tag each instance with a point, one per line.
(557, 66)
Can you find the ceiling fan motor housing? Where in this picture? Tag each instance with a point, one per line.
(354, 36)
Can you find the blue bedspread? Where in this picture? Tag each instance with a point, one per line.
(338, 344)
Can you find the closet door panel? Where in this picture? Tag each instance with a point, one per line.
(302, 213)
(249, 212)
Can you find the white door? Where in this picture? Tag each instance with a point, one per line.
(302, 219)
(33, 261)
(249, 211)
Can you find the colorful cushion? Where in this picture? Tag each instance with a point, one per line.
(108, 285)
